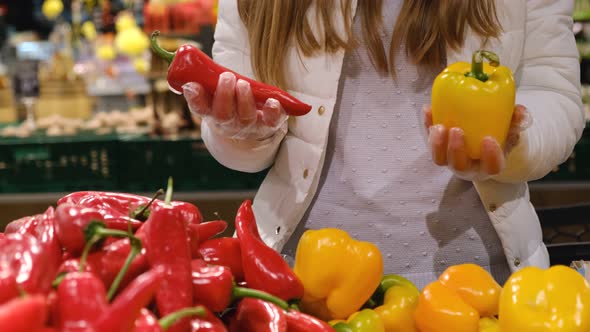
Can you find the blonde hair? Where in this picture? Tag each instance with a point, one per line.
(427, 27)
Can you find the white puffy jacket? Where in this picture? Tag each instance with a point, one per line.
(537, 44)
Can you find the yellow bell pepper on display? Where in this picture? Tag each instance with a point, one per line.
(339, 274)
(457, 300)
(489, 325)
(396, 300)
(478, 98)
(552, 300)
(363, 321)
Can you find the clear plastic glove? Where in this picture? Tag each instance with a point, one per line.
(448, 147)
(232, 110)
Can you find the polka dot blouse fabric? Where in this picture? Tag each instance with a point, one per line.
(379, 182)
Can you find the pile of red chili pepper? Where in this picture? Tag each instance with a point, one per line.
(104, 261)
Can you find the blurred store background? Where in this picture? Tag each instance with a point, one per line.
(84, 105)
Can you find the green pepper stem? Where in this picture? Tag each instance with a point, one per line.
(135, 250)
(96, 232)
(477, 64)
(60, 277)
(87, 248)
(241, 292)
(169, 191)
(174, 317)
(162, 53)
(142, 209)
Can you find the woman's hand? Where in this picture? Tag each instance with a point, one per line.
(232, 109)
(448, 145)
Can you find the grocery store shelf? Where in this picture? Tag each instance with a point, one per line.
(181, 196)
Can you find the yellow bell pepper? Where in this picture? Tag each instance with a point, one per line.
(457, 300)
(479, 98)
(363, 321)
(489, 325)
(396, 300)
(339, 274)
(556, 299)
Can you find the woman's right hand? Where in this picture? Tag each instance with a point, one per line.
(232, 110)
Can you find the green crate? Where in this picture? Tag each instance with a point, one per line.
(57, 164)
(146, 163)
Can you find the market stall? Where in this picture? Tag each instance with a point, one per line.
(116, 217)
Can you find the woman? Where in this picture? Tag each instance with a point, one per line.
(358, 161)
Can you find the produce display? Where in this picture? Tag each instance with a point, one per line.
(105, 261)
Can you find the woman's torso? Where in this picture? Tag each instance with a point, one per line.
(379, 182)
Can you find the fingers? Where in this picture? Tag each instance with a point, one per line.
(521, 120)
(457, 157)
(427, 116)
(197, 98)
(224, 101)
(246, 109)
(492, 156)
(438, 139)
(271, 113)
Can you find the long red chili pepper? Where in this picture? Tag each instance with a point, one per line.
(124, 311)
(209, 323)
(255, 315)
(224, 251)
(70, 221)
(214, 287)
(264, 268)
(42, 227)
(23, 258)
(27, 314)
(300, 322)
(209, 229)
(15, 225)
(81, 299)
(96, 231)
(189, 64)
(147, 322)
(108, 261)
(167, 246)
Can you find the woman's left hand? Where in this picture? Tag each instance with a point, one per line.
(448, 145)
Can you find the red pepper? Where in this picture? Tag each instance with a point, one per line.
(23, 258)
(8, 287)
(209, 323)
(147, 322)
(81, 300)
(108, 261)
(113, 207)
(208, 230)
(53, 319)
(189, 64)
(213, 286)
(70, 221)
(42, 226)
(255, 315)
(264, 268)
(27, 314)
(167, 245)
(300, 322)
(15, 225)
(224, 251)
(124, 311)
